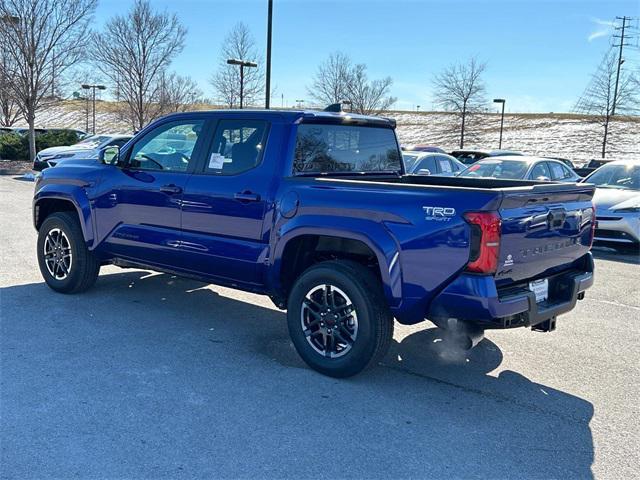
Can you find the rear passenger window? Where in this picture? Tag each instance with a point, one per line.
(540, 171)
(237, 147)
(557, 172)
(445, 165)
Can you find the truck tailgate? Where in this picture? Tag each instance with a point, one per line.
(542, 230)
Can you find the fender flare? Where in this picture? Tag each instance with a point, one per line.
(381, 243)
(75, 195)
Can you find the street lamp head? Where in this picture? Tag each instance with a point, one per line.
(235, 61)
(101, 87)
(85, 86)
(498, 100)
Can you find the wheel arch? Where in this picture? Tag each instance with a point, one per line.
(46, 203)
(295, 249)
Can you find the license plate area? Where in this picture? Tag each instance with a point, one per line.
(540, 288)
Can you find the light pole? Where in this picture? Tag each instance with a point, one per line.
(299, 102)
(267, 99)
(242, 63)
(417, 108)
(92, 87)
(348, 102)
(502, 101)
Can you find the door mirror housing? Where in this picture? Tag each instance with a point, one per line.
(110, 155)
(424, 171)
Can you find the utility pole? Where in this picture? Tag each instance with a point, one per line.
(620, 59)
(267, 99)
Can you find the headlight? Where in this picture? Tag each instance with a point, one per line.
(63, 155)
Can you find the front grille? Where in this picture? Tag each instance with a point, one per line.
(614, 234)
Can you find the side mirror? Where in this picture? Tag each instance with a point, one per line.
(542, 178)
(109, 155)
(424, 171)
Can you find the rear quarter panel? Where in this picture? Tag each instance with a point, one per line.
(418, 255)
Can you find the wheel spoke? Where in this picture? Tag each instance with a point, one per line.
(327, 345)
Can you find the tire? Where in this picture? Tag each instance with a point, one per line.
(369, 327)
(72, 274)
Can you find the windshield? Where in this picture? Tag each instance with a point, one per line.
(511, 169)
(93, 141)
(333, 148)
(616, 176)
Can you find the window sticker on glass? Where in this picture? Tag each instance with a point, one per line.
(216, 161)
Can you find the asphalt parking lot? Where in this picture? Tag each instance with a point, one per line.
(151, 376)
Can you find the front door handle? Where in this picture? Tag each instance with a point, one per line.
(247, 197)
(171, 189)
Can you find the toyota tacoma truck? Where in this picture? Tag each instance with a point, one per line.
(315, 210)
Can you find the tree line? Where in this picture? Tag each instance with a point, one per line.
(48, 46)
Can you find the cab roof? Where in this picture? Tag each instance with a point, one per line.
(294, 116)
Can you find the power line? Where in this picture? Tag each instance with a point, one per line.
(622, 44)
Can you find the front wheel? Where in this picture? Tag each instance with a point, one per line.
(65, 262)
(338, 319)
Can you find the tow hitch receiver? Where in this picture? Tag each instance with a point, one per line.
(546, 326)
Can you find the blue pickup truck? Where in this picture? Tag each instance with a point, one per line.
(315, 210)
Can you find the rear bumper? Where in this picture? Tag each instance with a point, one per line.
(475, 299)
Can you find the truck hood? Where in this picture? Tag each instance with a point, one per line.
(606, 198)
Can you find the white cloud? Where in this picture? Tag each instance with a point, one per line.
(604, 28)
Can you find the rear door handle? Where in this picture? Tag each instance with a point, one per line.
(171, 189)
(247, 197)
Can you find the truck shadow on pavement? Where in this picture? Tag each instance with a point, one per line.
(149, 366)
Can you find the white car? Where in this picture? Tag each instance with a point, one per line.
(86, 149)
(617, 201)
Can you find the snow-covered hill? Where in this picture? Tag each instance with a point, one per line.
(564, 135)
(575, 137)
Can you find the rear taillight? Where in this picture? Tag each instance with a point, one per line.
(593, 224)
(485, 241)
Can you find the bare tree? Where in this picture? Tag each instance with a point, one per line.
(9, 111)
(41, 39)
(338, 80)
(460, 89)
(331, 81)
(238, 44)
(132, 51)
(368, 97)
(177, 93)
(598, 98)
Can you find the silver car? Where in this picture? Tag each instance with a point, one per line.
(431, 163)
(522, 167)
(86, 149)
(617, 202)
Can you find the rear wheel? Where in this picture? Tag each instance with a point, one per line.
(338, 318)
(66, 264)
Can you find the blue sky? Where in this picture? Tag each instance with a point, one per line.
(540, 54)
